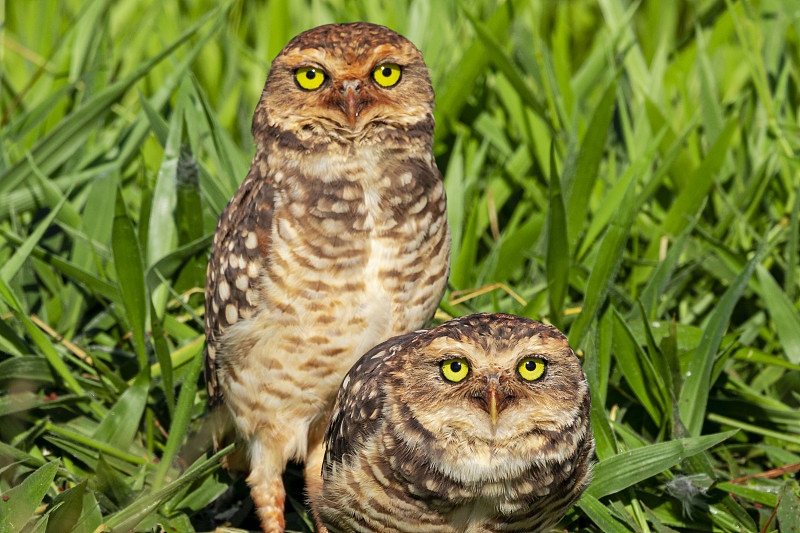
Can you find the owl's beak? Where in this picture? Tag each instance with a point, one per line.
(351, 102)
(493, 405)
(494, 399)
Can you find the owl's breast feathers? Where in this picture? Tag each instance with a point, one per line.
(344, 245)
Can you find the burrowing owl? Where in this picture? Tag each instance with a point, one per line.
(336, 241)
(480, 424)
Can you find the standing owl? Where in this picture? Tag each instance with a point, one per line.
(478, 425)
(336, 241)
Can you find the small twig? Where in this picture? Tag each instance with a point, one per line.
(441, 315)
(769, 474)
(772, 516)
(469, 294)
(160, 428)
(53, 333)
(493, 224)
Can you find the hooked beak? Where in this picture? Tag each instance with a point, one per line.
(351, 102)
(494, 399)
(493, 405)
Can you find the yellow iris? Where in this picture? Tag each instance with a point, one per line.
(387, 74)
(531, 368)
(455, 370)
(309, 78)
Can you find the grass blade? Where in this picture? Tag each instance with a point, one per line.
(180, 421)
(19, 503)
(694, 393)
(783, 313)
(621, 471)
(130, 276)
(602, 273)
(557, 258)
(580, 175)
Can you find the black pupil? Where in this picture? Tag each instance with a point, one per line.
(386, 71)
(455, 366)
(311, 74)
(530, 366)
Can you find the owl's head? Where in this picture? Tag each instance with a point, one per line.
(500, 393)
(341, 81)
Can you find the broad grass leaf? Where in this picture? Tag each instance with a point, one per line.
(112, 484)
(25, 367)
(180, 421)
(161, 348)
(455, 187)
(757, 356)
(67, 509)
(516, 246)
(158, 125)
(10, 453)
(793, 250)
(788, 511)
(580, 174)
(91, 517)
(660, 277)
(710, 107)
(130, 275)
(691, 197)
(783, 314)
(638, 370)
(694, 393)
(162, 229)
(557, 254)
(463, 274)
(628, 468)
(40, 339)
(762, 497)
(119, 427)
(145, 504)
(596, 364)
(18, 503)
(602, 273)
(71, 133)
(93, 283)
(131, 139)
(467, 68)
(600, 514)
(12, 266)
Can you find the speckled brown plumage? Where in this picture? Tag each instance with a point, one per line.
(336, 241)
(408, 450)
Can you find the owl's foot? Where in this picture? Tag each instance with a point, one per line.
(268, 495)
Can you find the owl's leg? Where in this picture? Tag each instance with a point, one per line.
(313, 466)
(266, 486)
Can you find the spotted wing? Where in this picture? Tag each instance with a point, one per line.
(359, 403)
(241, 244)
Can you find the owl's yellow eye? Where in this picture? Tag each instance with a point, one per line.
(455, 370)
(309, 78)
(531, 368)
(387, 74)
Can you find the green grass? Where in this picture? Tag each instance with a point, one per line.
(626, 171)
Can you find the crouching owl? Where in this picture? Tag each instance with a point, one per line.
(336, 241)
(478, 425)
